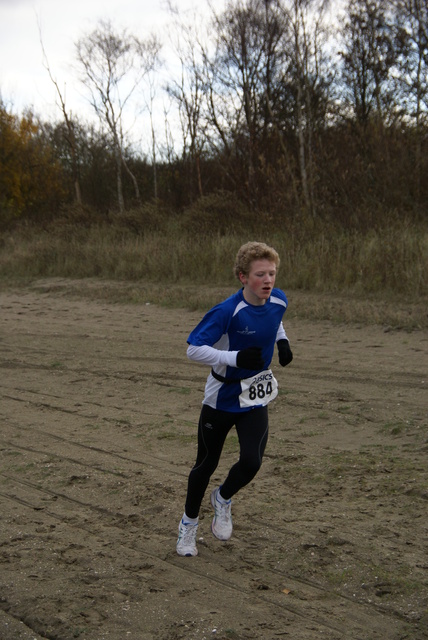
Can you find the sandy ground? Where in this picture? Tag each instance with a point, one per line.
(98, 412)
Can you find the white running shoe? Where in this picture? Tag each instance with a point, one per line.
(186, 543)
(222, 522)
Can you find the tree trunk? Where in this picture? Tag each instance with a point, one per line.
(133, 178)
(77, 192)
(120, 199)
(302, 157)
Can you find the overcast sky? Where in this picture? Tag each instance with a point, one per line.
(24, 81)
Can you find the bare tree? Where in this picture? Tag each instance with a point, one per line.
(310, 81)
(150, 107)
(240, 86)
(187, 89)
(70, 137)
(368, 57)
(113, 66)
(411, 40)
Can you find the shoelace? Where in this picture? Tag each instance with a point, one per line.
(223, 511)
(189, 535)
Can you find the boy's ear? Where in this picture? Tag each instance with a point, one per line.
(242, 277)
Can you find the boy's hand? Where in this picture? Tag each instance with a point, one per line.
(284, 352)
(250, 358)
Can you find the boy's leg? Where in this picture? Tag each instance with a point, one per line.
(213, 428)
(252, 428)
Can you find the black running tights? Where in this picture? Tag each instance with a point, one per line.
(214, 425)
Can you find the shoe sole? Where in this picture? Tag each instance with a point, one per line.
(187, 555)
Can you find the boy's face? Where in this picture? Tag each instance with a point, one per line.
(258, 284)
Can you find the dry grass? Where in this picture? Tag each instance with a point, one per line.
(337, 308)
(376, 277)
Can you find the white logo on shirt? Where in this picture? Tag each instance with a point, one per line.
(246, 332)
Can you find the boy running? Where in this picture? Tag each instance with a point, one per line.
(236, 338)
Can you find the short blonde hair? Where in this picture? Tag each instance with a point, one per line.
(250, 252)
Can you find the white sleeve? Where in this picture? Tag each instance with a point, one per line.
(211, 356)
(281, 335)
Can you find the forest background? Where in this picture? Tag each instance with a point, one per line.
(294, 129)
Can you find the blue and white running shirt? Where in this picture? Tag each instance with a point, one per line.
(227, 328)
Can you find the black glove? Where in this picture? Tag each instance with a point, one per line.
(250, 358)
(284, 352)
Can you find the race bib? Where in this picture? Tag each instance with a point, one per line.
(258, 390)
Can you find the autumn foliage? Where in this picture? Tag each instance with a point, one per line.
(31, 178)
(283, 120)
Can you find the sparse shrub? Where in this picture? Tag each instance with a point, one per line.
(218, 214)
(150, 217)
